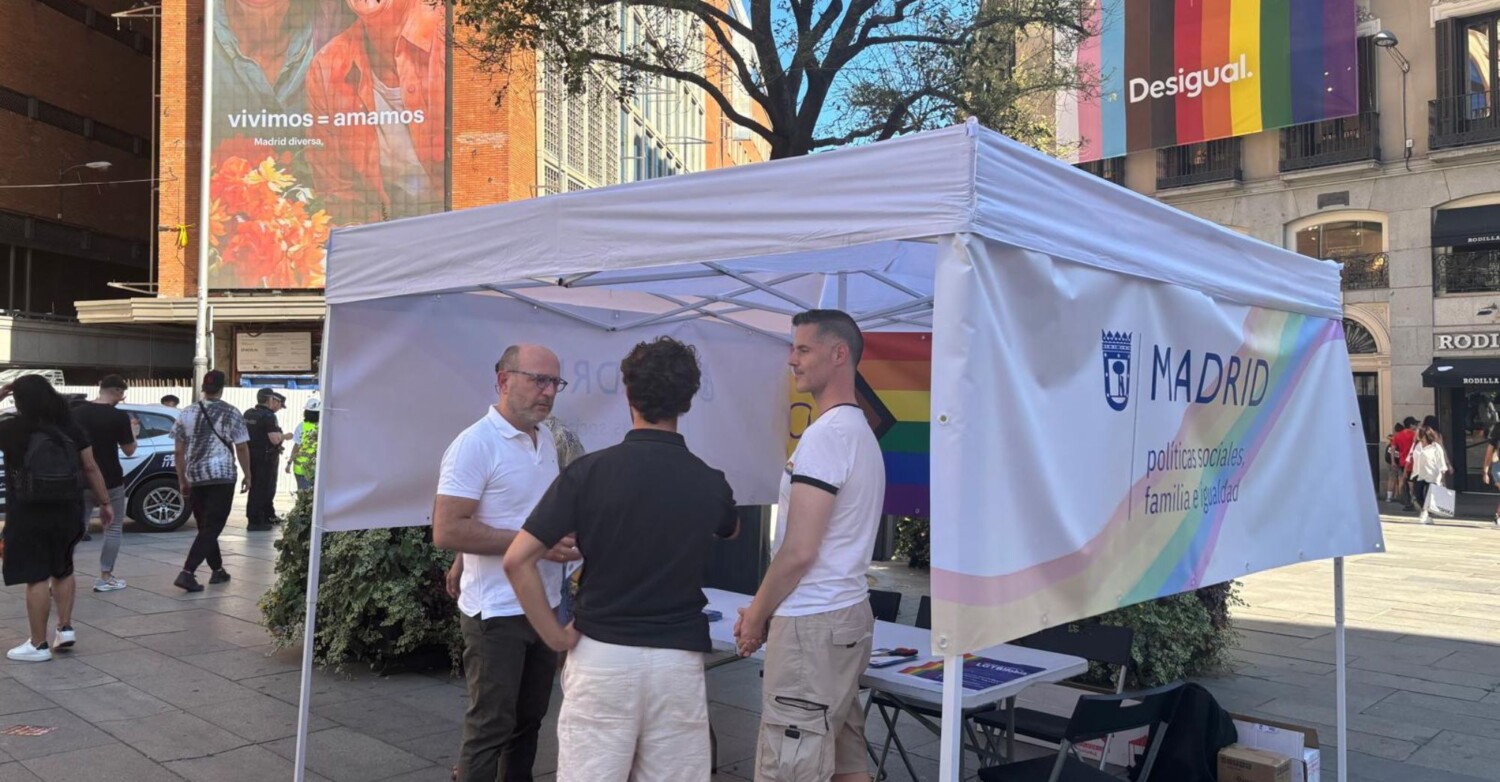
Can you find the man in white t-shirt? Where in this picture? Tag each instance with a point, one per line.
(492, 476)
(812, 611)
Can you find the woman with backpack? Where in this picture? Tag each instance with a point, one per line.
(48, 462)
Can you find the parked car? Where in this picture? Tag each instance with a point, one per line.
(152, 498)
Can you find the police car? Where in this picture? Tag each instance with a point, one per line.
(152, 498)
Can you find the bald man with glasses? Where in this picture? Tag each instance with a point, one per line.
(492, 475)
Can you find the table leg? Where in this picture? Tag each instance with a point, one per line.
(1010, 729)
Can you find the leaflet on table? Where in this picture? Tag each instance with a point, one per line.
(980, 673)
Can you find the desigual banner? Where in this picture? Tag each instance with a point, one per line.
(326, 113)
(1143, 440)
(1168, 72)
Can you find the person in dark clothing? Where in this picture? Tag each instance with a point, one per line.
(210, 437)
(109, 431)
(40, 534)
(265, 451)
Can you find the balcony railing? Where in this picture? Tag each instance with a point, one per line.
(1366, 272)
(1464, 120)
(1331, 143)
(1108, 169)
(1467, 272)
(1198, 164)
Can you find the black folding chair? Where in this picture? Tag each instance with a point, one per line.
(1096, 717)
(924, 613)
(886, 606)
(1104, 644)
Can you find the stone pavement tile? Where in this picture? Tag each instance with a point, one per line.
(388, 719)
(239, 607)
(432, 774)
(246, 764)
(1460, 753)
(142, 602)
(168, 622)
(196, 689)
(438, 748)
(737, 731)
(1389, 649)
(187, 642)
(62, 673)
(1280, 646)
(247, 662)
(113, 762)
(1472, 662)
(345, 755)
(15, 772)
(113, 701)
(286, 687)
(1414, 683)
(12, 604)
(72, 733)
(17, 698)
(140, 664)
(1488, 710)
(175, 735)
(1364, 721)
(1286, 664)
(1440, 720)
(93, 641)
(258, 718)
(1367, 768)
(1428, 673)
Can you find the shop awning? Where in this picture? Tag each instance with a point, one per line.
(1465, 227)
(1462, 373)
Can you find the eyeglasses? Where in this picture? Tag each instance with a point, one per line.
(541, 381)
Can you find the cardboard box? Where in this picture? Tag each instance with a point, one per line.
(1239, 763)
(1295, 741)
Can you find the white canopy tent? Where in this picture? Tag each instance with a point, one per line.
(1022, 267)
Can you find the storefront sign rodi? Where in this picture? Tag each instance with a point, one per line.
(1162, 73)
(1178, 420)
(325, 113)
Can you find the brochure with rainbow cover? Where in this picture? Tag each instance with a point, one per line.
(980, 673)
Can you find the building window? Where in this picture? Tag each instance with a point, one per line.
(1198, 164)
(1466, 249)
(580, 133)
(1468, 71)
(1338, 141)
(1357, 244)
(1108, 169)
(1359, 339)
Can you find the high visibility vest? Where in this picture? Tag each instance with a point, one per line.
(307, 450)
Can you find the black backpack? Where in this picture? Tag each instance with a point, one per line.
(51, 472)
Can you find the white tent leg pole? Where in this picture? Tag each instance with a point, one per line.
(310, 627)
(1340, 671)
(952, 740)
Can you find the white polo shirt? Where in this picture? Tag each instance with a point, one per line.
(499, 465)
(838, 454)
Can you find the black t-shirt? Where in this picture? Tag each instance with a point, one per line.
(108, 428)
(261, 422)
(645, 513)
(15, 437)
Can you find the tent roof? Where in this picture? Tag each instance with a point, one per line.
(744, 239)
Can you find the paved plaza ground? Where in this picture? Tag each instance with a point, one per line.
(165, 685)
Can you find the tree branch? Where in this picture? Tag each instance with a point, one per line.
(690, 77)
(893, 123)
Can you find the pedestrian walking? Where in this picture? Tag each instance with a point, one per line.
(111, 433)
(1404, 440)
(1492, 464)
(47, 457)
(301, 460)
(812, 611)
(1429, 465)
(648, 499)
(210, 438)
(491, 477)
(266, 438)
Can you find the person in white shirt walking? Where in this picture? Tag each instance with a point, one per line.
(492, 476)
(812, 611)
(1429, 465)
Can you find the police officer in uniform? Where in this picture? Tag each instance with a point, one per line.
(265, 451)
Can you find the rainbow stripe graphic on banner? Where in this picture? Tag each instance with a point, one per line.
(1176, 72)
(895, 392)
(1139, 556)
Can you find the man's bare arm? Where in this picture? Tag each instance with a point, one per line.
(455, 528)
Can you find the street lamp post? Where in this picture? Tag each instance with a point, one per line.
(94, 165)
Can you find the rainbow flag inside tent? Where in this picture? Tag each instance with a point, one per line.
(1170, 72)
(895, 392)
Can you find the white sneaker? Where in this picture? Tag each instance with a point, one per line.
(108, 584)
(27, 653)
(63, 637)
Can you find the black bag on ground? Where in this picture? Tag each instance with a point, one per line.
(51, 472)
(1189, 752)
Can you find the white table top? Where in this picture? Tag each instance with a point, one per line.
(1055, 667)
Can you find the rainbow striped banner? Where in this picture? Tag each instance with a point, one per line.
(895, 392)
(1173, 72)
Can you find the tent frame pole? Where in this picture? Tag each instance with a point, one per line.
(314, 562)
(1340, 669)
(950, 757)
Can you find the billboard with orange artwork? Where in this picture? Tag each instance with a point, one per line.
(326, 113)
